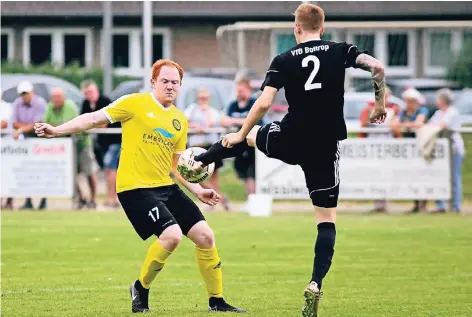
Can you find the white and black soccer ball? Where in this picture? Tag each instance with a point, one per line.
(185, 163)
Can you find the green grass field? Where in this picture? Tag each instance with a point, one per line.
(81, 263)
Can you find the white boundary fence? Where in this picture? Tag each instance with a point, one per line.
(371, 168)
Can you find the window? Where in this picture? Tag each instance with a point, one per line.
(440, 48)
(397, 49)
(394, 48)
(4, 47)
(327, 37)
(128, 50)
(41, 48)
(7, 44)
(365, 42)
(74, 49)
(284, 42)
(120, 43)
(157, 47)
(62, 46)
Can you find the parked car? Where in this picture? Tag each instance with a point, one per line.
(221, 90)
(463, 102)
(43, 84)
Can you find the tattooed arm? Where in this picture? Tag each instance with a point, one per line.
(376, 68)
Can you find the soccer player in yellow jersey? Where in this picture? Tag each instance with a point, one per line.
(154, 133)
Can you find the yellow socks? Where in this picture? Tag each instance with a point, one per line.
(155, 259)
(209, 265)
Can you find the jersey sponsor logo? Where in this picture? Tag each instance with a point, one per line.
(156, 139)
(176, 124)
(163, 132)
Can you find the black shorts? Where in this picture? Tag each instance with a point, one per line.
(245, 164)
(319, 160)
(152, 210)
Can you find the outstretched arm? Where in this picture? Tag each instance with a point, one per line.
(82, 123)
(376, 68)
(79, 124)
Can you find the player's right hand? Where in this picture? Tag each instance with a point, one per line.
(378, 116)
(44, 130)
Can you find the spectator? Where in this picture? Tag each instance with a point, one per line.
(59, 111)
(5, 113)
(409, 119)
(244, 164)
(392, 111)
(202, 116)
(27, 109)
(5, 116)
(110, 144)
(365, 122)
(448, 117)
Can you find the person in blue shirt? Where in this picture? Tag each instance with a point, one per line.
(408, 120)
(244, 164)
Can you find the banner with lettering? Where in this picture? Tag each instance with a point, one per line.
(37, 168)
(369, 169)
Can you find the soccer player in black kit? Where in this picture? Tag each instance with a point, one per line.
(312, 74)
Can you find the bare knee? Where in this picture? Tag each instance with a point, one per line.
(325, 214)
(202, 235)
(170, 238)
(251, 137)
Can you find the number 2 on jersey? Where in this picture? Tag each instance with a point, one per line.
(309, 85)
(156, 210)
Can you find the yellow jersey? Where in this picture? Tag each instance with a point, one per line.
(151, 135)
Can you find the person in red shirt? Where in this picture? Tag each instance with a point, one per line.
(365, 122)
(379, 205)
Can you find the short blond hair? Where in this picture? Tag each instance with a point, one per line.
(310, 17)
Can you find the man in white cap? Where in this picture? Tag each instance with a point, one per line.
(27, 109)
(411, 118)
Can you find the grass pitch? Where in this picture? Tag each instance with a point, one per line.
(81, 263)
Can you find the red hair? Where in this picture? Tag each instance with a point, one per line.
(156, 68)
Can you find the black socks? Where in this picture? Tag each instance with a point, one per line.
(218, 152)
(324, 250)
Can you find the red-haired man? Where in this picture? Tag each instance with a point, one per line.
(154, 134)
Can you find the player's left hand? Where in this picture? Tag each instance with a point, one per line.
(231, 139)
(378, 116)
(209, 196)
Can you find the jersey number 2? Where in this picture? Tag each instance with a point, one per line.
(309, 85)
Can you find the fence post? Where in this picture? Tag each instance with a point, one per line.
(75, 170)
(451, 168)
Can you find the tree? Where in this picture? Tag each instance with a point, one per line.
(460, 70)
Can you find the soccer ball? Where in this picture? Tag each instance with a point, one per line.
(184, 164)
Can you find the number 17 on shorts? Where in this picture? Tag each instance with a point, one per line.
(154, 214)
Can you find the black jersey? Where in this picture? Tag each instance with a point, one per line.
(313, 74)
